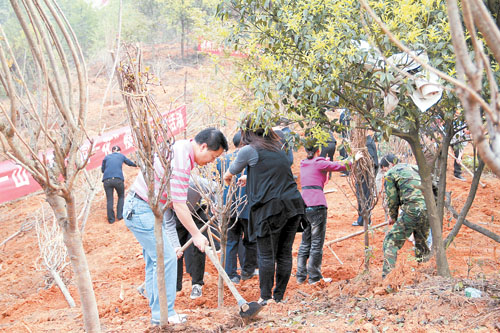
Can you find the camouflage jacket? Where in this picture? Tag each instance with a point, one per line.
(402, 190)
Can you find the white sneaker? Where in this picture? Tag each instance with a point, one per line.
(196, 291)
(326, 280)
(178, 318)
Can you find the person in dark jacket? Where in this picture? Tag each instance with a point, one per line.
(328, 150)
(345, 120)
(276, 206)
(238, 227)
(113, 179)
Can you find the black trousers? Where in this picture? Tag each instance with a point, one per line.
(310, 254)
(457, 168)
(194, 258)
(239, 228)
(275, 260)
(329, 151)
(362, 190)
(110, 185)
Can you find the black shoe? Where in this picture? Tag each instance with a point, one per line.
(111, 221)
(356, 224)
(245, 276)
(120, 218)
(460, 178)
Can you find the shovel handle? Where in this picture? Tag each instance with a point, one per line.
(202, 229)
(211, 255)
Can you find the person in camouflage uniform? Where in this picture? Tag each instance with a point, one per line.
(402, 190)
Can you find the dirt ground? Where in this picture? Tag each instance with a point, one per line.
(411, 299)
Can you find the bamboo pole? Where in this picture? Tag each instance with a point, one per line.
(355, 234)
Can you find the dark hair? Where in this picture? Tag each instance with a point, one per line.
(213, 138)
(311, 147)
(237, 139)
(116, 148)
(389, 158)
(256, 136)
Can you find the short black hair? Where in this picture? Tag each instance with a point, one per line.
(116, 148)
(237, 139)
(389, 158)
(213, 137)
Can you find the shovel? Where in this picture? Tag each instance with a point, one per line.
(247, 310)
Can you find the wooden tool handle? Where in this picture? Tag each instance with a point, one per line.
(211, 255)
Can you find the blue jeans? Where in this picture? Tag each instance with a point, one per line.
(141, 223)
(249, 264)
(311, 247)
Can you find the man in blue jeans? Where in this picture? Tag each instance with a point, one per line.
(113, 180)
(205, 148)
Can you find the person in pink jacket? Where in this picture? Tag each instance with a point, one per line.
(314, 174)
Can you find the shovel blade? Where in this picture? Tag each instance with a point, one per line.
(250, 310)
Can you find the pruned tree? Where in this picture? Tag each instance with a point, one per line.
(476, 81)
(362, 181)
(222, 204)
(44, 129)
(153, 140)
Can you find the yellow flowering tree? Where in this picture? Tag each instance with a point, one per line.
(304, 54)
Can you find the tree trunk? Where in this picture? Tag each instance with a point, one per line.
(64, 210)
(220, 283)
(467, 205)
(430, 202)
(442, 167)
(368, 250)
(160, 269)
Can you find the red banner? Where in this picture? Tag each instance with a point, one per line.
(16, 182)
(213, 48)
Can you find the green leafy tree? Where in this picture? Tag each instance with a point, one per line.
(302, 54)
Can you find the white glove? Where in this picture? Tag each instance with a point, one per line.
(358, 156)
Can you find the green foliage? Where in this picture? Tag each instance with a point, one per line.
(84, 21)
(304, 53)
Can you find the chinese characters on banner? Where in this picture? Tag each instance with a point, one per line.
(16, 182)
(213, 48)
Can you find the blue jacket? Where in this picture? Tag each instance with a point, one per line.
(112, 165)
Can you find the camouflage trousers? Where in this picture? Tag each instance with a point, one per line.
(410, 221)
